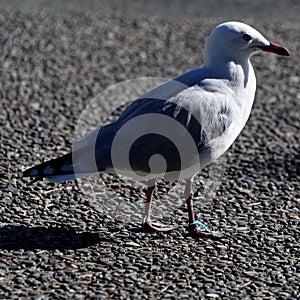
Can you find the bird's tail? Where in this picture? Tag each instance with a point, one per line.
(58, 169)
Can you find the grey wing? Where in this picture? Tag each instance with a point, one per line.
(203, 116)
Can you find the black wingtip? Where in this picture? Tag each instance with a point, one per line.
(49, 169)
(31, 172)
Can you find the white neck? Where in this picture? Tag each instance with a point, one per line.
(240, 77)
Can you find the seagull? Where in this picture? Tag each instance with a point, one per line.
(179, 127)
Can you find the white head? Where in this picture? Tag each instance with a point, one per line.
(236, 41)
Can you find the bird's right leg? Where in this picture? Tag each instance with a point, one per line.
(195, 227)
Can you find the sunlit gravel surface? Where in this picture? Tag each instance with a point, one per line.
(55, 242)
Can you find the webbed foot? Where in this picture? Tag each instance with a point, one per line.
(158, 227)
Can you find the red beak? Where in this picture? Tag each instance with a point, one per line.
(276, 49)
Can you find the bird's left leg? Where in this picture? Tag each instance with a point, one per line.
(147, 223)
(195, 227)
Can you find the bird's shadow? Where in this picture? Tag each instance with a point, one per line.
(16, 237)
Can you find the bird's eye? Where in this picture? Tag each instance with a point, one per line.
(247, 37)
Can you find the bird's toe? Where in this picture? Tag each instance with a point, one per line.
(158, 227)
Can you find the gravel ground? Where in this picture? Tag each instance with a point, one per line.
(56, 243)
